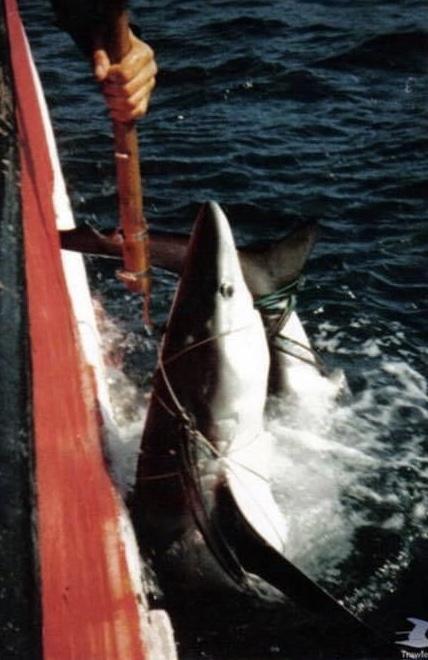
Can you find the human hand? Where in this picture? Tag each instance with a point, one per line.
(127, 86)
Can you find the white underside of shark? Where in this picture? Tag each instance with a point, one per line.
(214, 367)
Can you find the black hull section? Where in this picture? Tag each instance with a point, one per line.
(19, 605)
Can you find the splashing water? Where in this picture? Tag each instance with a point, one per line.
(351, 478)
(128, 399)
(340, 470)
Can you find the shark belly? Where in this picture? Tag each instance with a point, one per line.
(204, 429)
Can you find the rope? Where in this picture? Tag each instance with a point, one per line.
(282, 303)
(280, 344)
(197, 344)
(199, 439)
(280, 300)
(208, 528)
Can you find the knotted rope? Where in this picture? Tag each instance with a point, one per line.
(276, 308)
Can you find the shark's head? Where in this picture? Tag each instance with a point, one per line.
(212, 298)
(214, 349)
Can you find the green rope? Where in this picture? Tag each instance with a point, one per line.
(279, 301)
(282, 343)
(282, 303)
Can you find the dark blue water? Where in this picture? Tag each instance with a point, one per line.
(284, 111)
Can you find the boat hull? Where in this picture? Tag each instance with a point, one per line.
(79, 581)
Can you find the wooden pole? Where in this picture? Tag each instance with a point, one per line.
(136, 274)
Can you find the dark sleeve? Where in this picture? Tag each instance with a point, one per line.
(82, 19)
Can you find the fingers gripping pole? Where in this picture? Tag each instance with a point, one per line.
(136, 274)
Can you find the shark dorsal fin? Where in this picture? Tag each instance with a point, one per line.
(268, 267)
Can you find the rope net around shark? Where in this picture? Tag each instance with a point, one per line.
(190, 475)
(278, 307)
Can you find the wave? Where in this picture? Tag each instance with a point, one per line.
(398, 51)
(240, 65)
(246, 26)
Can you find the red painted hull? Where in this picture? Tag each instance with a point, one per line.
(89, 600)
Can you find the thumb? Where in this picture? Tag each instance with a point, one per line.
(101, 63)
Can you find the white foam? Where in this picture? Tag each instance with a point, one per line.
(128, 401)
(358, 464)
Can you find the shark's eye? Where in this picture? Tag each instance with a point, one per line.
(226, 290)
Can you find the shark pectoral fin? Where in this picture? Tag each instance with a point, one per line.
(167, 250)
(88, 240)
(257, 556)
